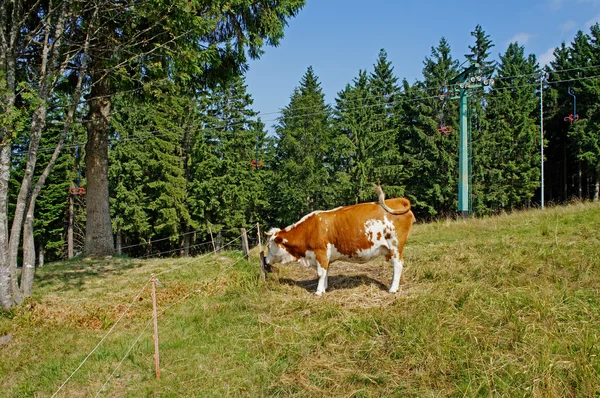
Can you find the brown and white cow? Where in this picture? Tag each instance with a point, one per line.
(355, 233)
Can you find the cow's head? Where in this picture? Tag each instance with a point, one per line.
(276, 250)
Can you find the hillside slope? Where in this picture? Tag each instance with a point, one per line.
(508, 305)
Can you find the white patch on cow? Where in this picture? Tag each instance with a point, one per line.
(376, 231)
(333, 254)
(309, 259)
(273, 231)
(277, 254)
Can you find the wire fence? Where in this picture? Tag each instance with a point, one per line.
(231, 245)
(182, 299)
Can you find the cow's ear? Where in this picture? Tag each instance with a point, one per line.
(278, 239)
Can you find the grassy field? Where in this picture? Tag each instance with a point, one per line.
(504, 306)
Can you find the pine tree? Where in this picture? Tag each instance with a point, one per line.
(128, 175)
(304, 157)
(227, 187)
(416, 140)
(558, 104)
(51, 207)
(387, 150)
(435, 179)
(147, 173)
(480, 52)
(354, 120)
(572, 144)
(584, 132)
(513, 174)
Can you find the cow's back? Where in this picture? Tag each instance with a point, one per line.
(346, 228)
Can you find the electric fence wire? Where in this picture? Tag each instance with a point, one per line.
(104, 337)
(161, 239)
(180, 300)
(131, 305)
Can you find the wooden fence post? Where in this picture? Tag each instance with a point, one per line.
(212, 239)
(156, 358)
(245, 243)
(263, 267)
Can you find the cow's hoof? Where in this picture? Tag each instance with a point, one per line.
(393, 290)
(319, 294)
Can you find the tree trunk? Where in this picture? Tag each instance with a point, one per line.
(597, 187)
(119, 241)
(579, 179)
(564, 172)
(28, 241)
(41, 254)
(98, 231)
(186, 244)
(70, 227)
(37, 124)
(219, 241)
(7, 98)
(28, 255)
(5, 298)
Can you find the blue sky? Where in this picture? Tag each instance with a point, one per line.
(339, 37)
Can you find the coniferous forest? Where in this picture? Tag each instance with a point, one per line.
(130, 130)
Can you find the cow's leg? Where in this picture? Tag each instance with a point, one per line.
(398, 263)
(322, 273)
(322, 268)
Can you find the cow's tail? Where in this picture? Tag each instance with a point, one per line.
(404, 209)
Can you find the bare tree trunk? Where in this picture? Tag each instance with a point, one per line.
(28, 241)
(49, 69)
(5, 298)
(597, 187)
(28, 256)
(37, 124)
(70, 227)
(41, 254)
(579, 175)
(186, 244)
(8, 40)
(219, 241)
(564, 172)
(98, 232)
(119, 241)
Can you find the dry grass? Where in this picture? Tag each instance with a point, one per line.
(504, 306)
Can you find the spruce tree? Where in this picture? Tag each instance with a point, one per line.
(147, 172)
(584, 132)
(354, 122)
(558, 104)
(304, 158)
(572, 141)
(227, 184)
(386, 149)
(435, 179)
(513, 173)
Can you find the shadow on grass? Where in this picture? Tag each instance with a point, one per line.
(72, 274)
(336, 282)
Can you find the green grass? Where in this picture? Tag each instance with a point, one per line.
(503, 306)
